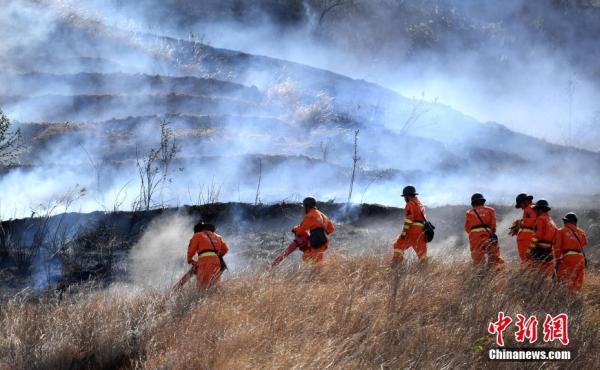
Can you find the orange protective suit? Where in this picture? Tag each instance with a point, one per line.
(413, 232)
(568, 255)
(539, 252)
(480, 231)
(208, 246)
(313, 219)
(526, 232)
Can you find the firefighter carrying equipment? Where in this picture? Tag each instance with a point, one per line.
(569, 256)
(312, 221)
(316, 224)
(526, 232)
(210, 248)
(540, 250)
(414, 231)
(480, 225)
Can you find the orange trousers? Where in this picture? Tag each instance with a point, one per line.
(309, 254)
(481, 247)
(523, 243)
(412, 239)
(208, 272)
(314, 255)
(570, 271)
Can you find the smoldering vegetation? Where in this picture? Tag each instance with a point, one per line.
(353, 313)
(147, 248)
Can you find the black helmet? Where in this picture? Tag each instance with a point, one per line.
(477, 198)
(409, 191)
(542, 204)
(204, 226)
(570, 217)
(309, 202)
(521, 198)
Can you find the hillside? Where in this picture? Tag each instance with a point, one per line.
(90, 111)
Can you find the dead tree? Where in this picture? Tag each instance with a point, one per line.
(418, 109)
(325, 149)
(257, 199)
(153, 168)
(355, 160)
(11, 143)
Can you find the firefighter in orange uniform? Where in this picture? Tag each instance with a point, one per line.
(480, 224)
(210, 248)
(312, 235)
(413, 230)
(524, 228)
(568, 253)
(540, 249)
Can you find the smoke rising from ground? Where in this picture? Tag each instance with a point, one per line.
(159, 255)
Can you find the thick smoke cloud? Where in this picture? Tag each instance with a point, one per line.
(90, 81)
(528, 65)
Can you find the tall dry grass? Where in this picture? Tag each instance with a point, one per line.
(351, 313)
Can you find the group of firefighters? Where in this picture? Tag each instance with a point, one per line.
(541, 245)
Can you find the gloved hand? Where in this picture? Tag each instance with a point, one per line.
(514, 229)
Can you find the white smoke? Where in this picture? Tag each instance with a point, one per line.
(159, 257)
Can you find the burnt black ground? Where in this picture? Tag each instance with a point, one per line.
(96, 246)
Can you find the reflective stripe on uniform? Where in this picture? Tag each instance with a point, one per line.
(478, 229)
(544, 244)
(568, 253)
(418, 224)
(526, 230)
(398, 250)
(208, 254)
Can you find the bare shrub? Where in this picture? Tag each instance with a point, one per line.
(90, 254)
(284, 92)
(318, 112)
(21, 255)
(207, 193)
(153, 168)
(52, 234)
(11, 142)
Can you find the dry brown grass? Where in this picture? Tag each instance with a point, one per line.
(351, 313)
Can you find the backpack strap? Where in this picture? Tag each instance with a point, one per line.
(576, 237)
(422, 213)
(486, 227)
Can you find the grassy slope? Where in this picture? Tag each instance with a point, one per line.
(352, 313)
